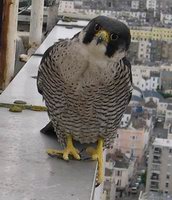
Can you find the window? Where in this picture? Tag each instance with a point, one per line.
(168, 176)
(166, 185)
(170, 150)
(134, 137)
(109, 4)
(119, 182)
(119, 173)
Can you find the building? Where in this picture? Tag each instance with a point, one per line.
(154, 196)
(119, 169)
(168, 116)
(133, 139)
(169, 136)
(126, 117)
(145, 79)
(166, 18)
(144, 50)
(151, 4)
(162, 107)
(67, 6)
(149, 95)
(139, 71)
(166, 81)
(151, 33)
(159, 172)
(135, 4)
(136, 100)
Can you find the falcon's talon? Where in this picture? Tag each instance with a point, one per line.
(69, 150)
(97, 154)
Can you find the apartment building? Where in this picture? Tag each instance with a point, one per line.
(118, 171)
(166, 81)
(159, 173)
(133, 139)
(151, 4)
(168, 116)
(135, 5)
(151, 33)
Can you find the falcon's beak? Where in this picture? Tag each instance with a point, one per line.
(102, 36)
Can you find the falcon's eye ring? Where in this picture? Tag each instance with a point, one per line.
(97, 27)
(114, 36)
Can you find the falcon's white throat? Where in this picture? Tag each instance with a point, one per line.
(94, 49)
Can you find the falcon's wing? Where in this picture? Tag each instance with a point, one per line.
(48, 129)
(48, 59)
(43, 61)
(128, 64)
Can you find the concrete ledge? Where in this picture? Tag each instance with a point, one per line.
(26, 171)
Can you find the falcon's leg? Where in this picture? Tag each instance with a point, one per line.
(97, 154)
(69, 150)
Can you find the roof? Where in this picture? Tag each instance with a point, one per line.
(137, 88)
(119, 159)
(168, 100)
(136, 98)
(150, 104)
(152, 93)
(128, 110)
(108, 172)
(169, 107)
(162, 142)
(138, 122)
(166, 75)
(154, 74)
(163, 101)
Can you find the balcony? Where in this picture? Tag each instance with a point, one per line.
(156, 161)
(154, 186)
(156, 168)
(157, 151)
(155, 177)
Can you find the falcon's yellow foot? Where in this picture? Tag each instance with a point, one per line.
(97, 154)
(69, 150)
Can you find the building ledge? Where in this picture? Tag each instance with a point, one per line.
(26, 171)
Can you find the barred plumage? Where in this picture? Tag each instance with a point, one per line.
(86, 96)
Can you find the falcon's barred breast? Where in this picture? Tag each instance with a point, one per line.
(86, 81)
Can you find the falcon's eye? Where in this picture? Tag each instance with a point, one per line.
(97, 27)
(114, 36)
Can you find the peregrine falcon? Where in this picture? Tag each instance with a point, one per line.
(86, 83)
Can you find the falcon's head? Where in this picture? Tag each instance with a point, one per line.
(106, 36)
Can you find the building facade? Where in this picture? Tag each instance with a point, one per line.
(151, 4)
(159, 173)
